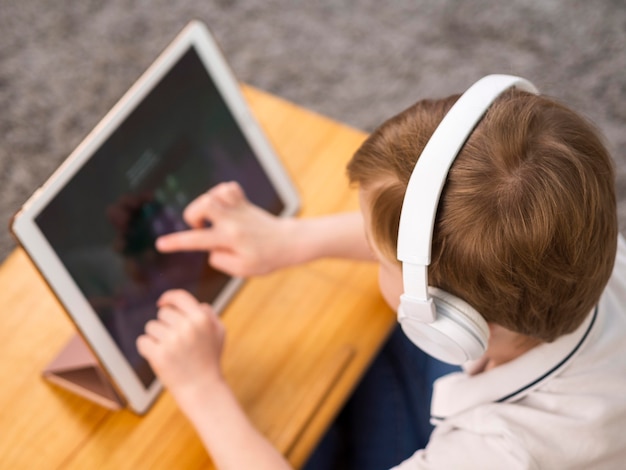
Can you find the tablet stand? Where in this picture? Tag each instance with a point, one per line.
(77, 370)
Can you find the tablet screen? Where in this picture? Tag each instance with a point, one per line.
(180, 141)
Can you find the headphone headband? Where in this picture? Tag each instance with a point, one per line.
(422, 195)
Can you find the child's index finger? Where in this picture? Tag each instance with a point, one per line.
(181, 300)
(188, 240)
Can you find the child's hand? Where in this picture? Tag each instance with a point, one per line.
(243, 239)
(184, 344)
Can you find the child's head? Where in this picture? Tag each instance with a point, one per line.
(526, 228)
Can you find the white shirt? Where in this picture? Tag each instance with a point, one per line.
(561, 405)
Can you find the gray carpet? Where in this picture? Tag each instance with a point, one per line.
(64, 64)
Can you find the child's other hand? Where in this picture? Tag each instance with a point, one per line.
(184, 344)
(243, 239)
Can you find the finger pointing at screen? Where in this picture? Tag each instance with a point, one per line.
(242, 239)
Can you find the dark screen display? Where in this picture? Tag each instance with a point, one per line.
(179, 142)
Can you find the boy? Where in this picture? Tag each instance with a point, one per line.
(525, 234)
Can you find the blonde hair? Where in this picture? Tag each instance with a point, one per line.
(526, 228)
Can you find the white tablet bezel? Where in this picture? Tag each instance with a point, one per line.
(195, 35)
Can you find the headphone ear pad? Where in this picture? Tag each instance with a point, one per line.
(458, 334)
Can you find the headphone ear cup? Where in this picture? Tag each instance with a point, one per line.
(458, 334)
(449, 302)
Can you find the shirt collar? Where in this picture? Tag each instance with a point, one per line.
(508, 382)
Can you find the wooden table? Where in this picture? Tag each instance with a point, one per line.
(298, 340)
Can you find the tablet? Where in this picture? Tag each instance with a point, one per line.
(182, 128)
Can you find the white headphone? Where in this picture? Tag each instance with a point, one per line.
(442, 325)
